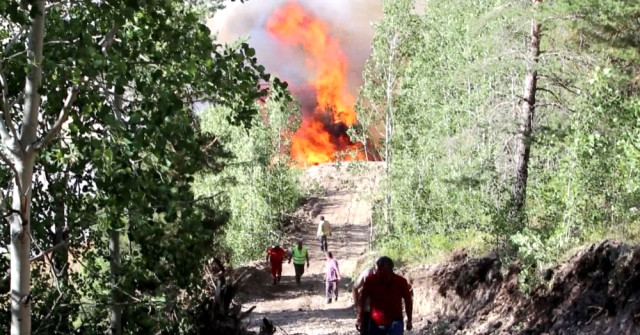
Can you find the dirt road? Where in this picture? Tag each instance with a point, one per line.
(302, 309)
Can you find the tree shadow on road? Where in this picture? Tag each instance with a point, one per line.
(289, 317)
(310, 285)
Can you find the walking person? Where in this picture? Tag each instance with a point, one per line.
(386, 291)
(275, 255)
(357, 297)
(332, 278)
(299, 255)
(324, 231)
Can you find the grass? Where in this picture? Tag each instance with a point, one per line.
(412, 250)
(432, 249)
(628, 233)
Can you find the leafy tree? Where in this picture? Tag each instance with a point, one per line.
(438, 115)
(258, 187)
(382, 78)
(99, 134)
(455, 119)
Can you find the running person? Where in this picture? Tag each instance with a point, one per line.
(299, 255)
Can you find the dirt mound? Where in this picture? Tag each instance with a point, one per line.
(331, 180)
(303, 216)
(463, 275)
(595, 292)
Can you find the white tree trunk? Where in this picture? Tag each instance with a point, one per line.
(114, 253)
(389, 120)
(20, 250)
(114, 265)
(23, 161)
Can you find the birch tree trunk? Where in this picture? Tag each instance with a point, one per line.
(114, 254)
(23, 160)
(20, 248)
(114, 267)
(523, 137)
(388, 133)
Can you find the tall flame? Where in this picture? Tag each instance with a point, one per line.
(323, 130)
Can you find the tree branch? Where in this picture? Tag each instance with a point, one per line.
(19, 53)
(51, 310)
(206, 147)
(108, 39)
(72, 94)
(4, 281)
(13, 168)
(13, 41)
(558, 81)
(554, 104)
(43, 253)
(542, 89)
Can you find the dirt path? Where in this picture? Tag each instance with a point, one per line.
(303, 309)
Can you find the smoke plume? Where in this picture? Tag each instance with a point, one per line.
(319, 48)
(349, 21)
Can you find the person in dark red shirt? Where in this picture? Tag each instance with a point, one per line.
(386, 291)
(276, 255)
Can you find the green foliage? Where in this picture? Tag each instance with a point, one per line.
(258, 187)
(446, 127)
(610, 27)
(456, 94)
(125, 167)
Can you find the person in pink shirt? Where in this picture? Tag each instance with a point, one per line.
(332, 278)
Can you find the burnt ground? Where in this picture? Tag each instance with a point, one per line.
(594, 292)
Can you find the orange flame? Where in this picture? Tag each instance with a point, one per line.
(317, 141)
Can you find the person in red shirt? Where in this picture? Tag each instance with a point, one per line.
(276, 255)
(365, 313)
(386, 291)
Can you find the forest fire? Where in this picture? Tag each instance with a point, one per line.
(330, 111)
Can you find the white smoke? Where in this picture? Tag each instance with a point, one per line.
(349, 21)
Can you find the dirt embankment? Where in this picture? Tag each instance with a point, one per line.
(595, 292)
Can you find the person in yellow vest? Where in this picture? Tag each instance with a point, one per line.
(324, 231)
(299, 255)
